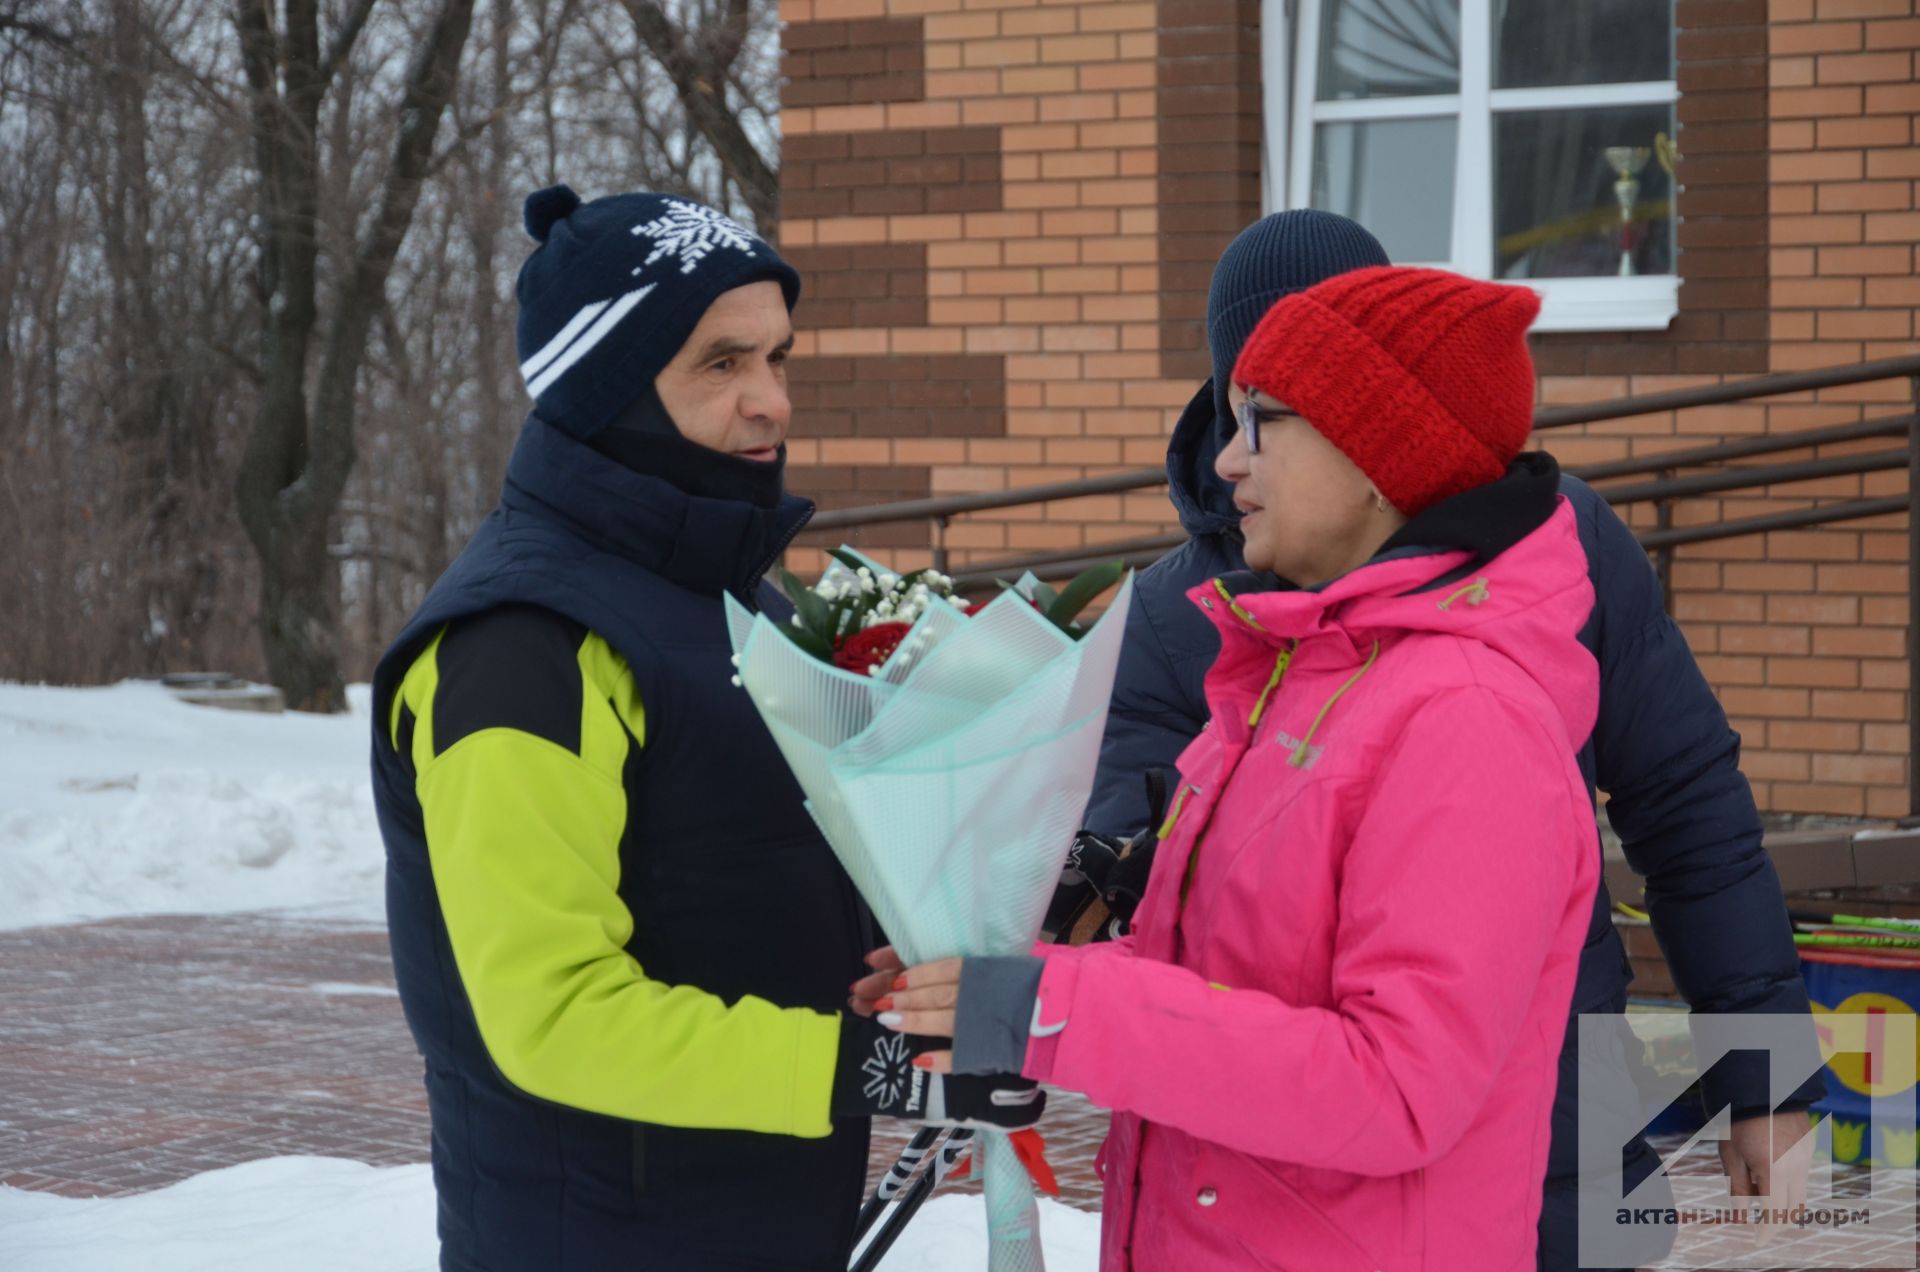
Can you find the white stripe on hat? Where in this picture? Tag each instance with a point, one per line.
(593, 336)
(531, 367)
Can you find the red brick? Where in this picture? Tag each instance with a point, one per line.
(1858, 704)
(1864, 68)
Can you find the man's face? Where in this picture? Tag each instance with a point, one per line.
(727, 387)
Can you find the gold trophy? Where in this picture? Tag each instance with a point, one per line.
(1627, 163)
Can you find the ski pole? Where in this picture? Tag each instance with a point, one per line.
(895, 1179)
(1841, 940)
(916, 1196)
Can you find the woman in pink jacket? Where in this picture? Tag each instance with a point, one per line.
(1331, 1041)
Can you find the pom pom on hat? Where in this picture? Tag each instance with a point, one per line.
(544, 207)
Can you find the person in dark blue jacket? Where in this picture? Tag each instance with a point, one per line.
(1661, 750)
(621, 944)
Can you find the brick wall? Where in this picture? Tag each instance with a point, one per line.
(1008, 212)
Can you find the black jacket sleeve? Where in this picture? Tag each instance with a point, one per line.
(1159, 703)
(1670, 765)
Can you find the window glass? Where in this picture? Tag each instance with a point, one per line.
(1579, 192)
(1388, 48)
(1394, 176)
(1538, 43)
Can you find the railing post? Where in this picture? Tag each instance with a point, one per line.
(1663, 557)
(940, 543)
(1913, 600)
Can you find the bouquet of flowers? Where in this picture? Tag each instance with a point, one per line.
(947, 751)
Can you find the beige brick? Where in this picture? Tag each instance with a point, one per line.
(1080, 394)
(851, 342)
(978, 83)
(905, 115)
(1836, 228)
(1077, 164)
(1864, 68)
(1095, 339)
(1043, 251)
(1047, 309)
(1002, 224)
(1078, 49)
(1080, 106)
(1002, 52)
(943, 227)
(839, 10)
(1041, 194)
(961, 26)
(1009, 339)
(1002, 282)
(990, 110)
(1038, 22)
(964, 255)
(1039, 137)
(850, 118)
(1790, 72)
(1120, 134)
(1039, 79)
(1116, 75)
(926, 340)
(972, 311)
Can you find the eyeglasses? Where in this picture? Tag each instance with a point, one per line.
(1249, 417)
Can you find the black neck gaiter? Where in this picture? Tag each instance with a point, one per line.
(645, 439)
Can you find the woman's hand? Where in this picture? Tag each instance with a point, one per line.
(868, 990)
(922, 1001)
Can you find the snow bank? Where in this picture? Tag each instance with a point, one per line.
(124, 800)
(322, 1214)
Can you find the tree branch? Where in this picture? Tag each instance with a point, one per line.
(343, 41)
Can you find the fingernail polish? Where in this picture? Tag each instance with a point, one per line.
(899, 982)
(923, 1062)
(891, 1019)
(885, 1004)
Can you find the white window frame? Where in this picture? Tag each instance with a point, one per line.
(1289, 56)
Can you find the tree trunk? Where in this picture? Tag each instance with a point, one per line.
(298, 458)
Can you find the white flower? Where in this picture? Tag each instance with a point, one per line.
(888, 578)
(736, 679)
(736, 660)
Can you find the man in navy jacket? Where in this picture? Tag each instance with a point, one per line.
(1661, 749)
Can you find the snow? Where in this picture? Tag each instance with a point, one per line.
(321, 1214)
(124, 800)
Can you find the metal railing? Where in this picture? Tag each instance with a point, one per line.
(1662, 490)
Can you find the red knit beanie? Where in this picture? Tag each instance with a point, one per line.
(1421, 377)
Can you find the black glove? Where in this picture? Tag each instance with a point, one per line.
(1108, 870)
(874, 1076)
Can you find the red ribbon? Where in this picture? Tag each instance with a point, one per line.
(1032, 1151)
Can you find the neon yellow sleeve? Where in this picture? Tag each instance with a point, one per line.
(523, 834)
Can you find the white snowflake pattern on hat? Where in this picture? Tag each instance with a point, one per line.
(690, 231)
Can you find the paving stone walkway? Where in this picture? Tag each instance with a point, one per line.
(138, 1052)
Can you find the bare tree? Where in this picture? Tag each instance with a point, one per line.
(300, 454)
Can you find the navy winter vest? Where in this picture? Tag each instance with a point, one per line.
(730, 886)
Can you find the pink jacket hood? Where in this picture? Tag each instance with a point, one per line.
(1332, 1041)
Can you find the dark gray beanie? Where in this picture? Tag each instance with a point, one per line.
(1276, 256)
(614, 290)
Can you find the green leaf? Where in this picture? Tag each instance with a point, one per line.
(1086, 585)
(808, 641)
(807, 603)
(848, 558)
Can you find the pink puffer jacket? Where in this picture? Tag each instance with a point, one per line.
(1331, 1043)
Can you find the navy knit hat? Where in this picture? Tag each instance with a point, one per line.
(614, 290)
(1276, 256)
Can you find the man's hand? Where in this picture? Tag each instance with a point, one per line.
(1769, 1156)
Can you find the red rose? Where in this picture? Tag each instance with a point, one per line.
(869, 647)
